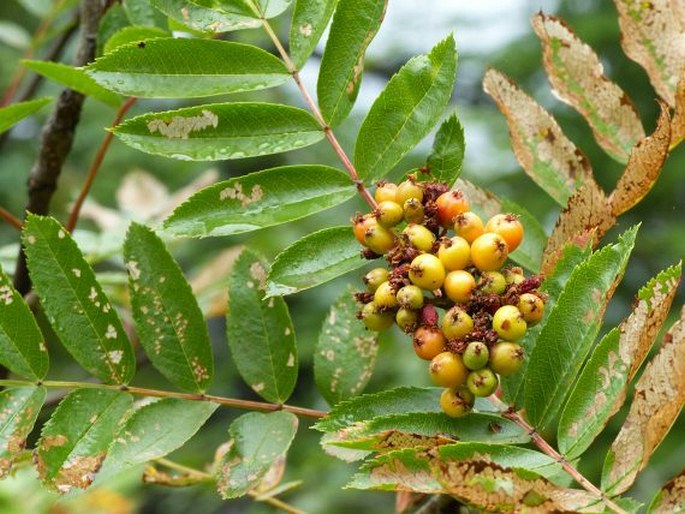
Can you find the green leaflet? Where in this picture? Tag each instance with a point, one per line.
(447, 156)
(16, 112)
(204, 17)
(20, 407)
(132, 34)
(310, 18)
(168, 321)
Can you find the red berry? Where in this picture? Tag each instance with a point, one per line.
(450, 204)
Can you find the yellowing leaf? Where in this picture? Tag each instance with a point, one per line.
(659, 398)
(644, 166)
(540, 146)
(577, 76)
(652, 36)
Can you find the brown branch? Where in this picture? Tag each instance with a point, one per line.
(9, 218)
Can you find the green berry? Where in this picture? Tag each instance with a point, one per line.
(375, 278)
(379, 239)
(385, 192)
(476, 355)
(506, 358)
(408, 189)
(374, 319)
(456, 323)
(509, 324)
(419, 237)
(456, 402)
(410, 297)
(482, 382)
(406, 319)
(492, 282)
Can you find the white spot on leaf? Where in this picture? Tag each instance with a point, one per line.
(180, 127)
(111, 332)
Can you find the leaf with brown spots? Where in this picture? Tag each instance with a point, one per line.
(19, 409)
(601, 388)
(577, 76)
(671, 497)
(585, 219)
(540, 146)
(644, 166)
(678, 119)
(652, 36)
(75, 440)
(658, 399)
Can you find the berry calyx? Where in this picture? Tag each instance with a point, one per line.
(456, 402)
(506, 358)
(489, 252)
(427, 272)
(450, 205)
(476, 355)
(428, 342)
(509, 324)
(448, 370)
(482, 382)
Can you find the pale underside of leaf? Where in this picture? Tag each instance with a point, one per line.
(659, 397)
(644, 166)
(652, 35)
(540, 146)
(577, 76)
(671, 497)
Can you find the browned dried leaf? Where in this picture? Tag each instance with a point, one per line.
(539, 144)
(678, 121)
(152, 475)
(484, 199)
(586, 217)
(659, 398)
(652, 35)
(644, 166)
(671, 498)
(577, 76)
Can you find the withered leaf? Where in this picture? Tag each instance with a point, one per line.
(540, 146)
(659, 398)
(644, 166)
(586, 217)
(678, 120)
(577, 76)
(652, 35)
(671, 497)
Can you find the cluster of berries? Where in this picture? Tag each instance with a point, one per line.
(487, 307)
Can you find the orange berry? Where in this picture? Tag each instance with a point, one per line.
(489, 252)
(469, 226)
(428, 342)
(509, 227)
(449, 205)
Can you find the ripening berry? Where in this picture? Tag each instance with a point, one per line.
(489, 252)
(450, 204)
(375, 320)
(492, 282)
(362, 225)
(410, 297)
(482, 382)
(455, 253)
(408, 189)
(513, 275)
(379, 239)
(375, 278)
(385, 192)
(385, 297)
(476, 355)
(509, 227)
(509, 324)
(389, 213)
(506, 358)
(469, 226)
(532, 308)
(419, 237)
(459, 285)
(406, 319)
(427, 272)
(413, 211)
(456, 323)
(447, 370)
(456, 402)
(428, 342)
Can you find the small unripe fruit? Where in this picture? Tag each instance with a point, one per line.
(482, 382)
(427, 272)
(492, 282)
(375, 320)
(419, 237)
(385, 192)
(379, 239)
(506, 358)
(469, 226)
(447, 370)
(476, 355)
(406, 319)
(408, 189)
(509, 324)
(410, 297)
(509, 227)
(459, 285)
(489, 252)
(449, 205)
(375, 278)
(362, 225)
(532, 308)
(513, 275)
(456, 323)
(389, 213)
(385, 297)
(413, 211)
(428, 342)
(455, 253)
(456, 402)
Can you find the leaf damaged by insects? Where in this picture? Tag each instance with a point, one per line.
(671, 497)
(19, 409)
(180, 127)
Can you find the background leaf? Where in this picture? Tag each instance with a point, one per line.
(260, 333)
(13, 113)
(447, 156)
(313, 260)
(221, 131)
(74, 302)
(22, 346)
(670, 498)
(140, 12)
(20, 407)
(257, 440)
(168, 321)
(75, 440)
(571, 329)
(354, 26)
(132, 34)
(406, 110)
(259, 200)
(204, 18)
(170, 68)
(310, 18)
(345, 353)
